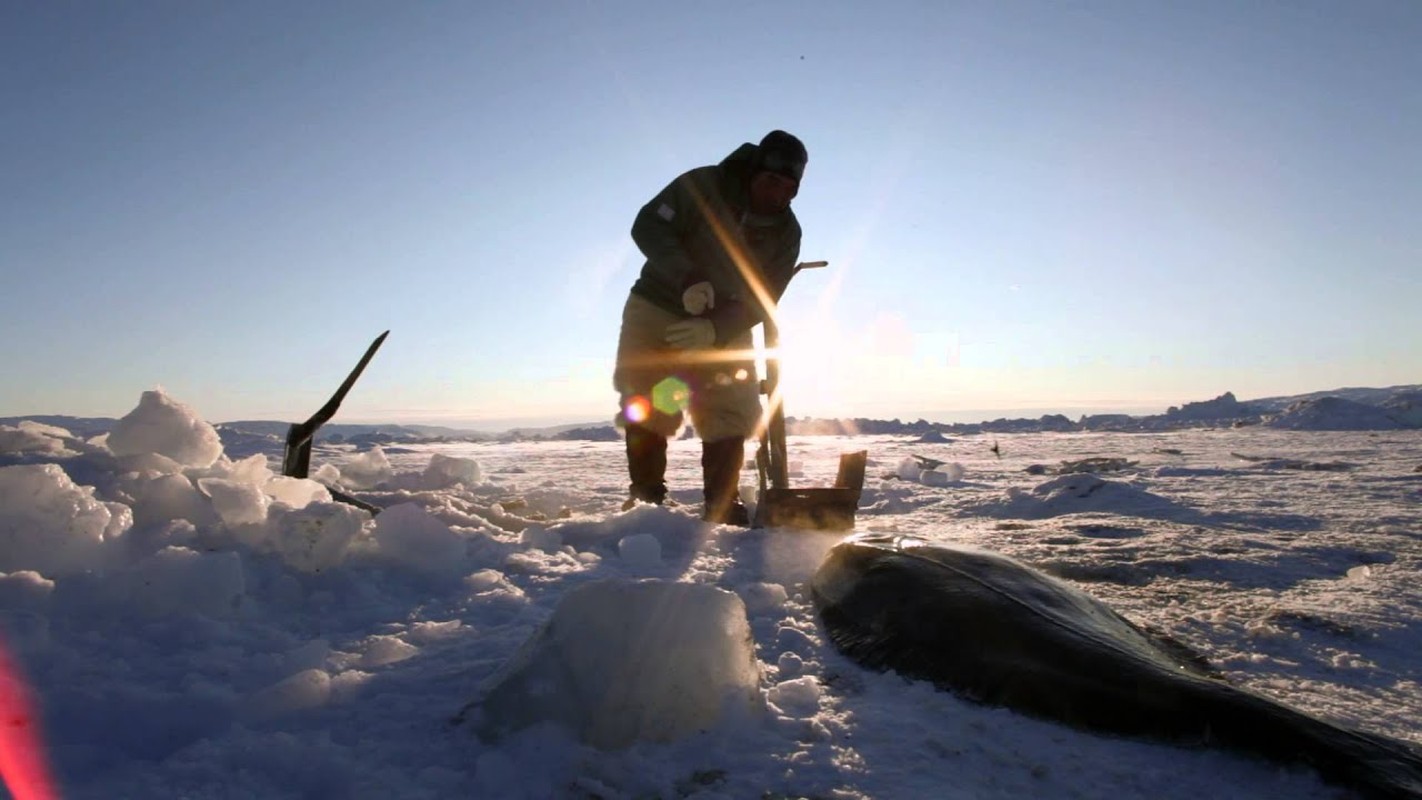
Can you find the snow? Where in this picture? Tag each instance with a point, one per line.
(621, 662)
(193, 625)
(447, 471)
(409, 536)
(366, 470)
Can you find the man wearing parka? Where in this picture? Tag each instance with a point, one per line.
(721, 244)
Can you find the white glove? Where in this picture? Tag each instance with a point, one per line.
(698, 298)
(691, 334)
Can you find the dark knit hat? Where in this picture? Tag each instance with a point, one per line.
(782, 154)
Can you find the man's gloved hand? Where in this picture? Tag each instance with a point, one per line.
(698, 297)
(691, 334)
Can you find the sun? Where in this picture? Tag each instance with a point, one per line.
(814, 364)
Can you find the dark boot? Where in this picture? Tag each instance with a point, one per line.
(721, 469)
(646, 465)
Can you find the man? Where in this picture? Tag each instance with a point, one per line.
(721, 244)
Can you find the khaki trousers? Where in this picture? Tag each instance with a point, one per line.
(717, 386)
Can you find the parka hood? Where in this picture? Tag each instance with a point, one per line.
(741, 159)
(736, 172)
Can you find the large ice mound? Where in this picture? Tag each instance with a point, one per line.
(53, 526)
(163, 426)
(623, 661)
(1074, 494)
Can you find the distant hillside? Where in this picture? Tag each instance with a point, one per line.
(1365, 396)
(334, 432)
(338, 431)
(569, 431)
(1354, 408)
(83, 427)
(1334, 414)
(1391, 408)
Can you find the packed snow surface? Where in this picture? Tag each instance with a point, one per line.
(192, 624)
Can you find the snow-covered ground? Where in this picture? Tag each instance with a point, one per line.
(192, 626)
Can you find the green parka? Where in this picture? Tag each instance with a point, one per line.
(693, 229)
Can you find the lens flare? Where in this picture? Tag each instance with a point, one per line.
(23, 765)
(671, 396)
(637, 410)
(731, 242)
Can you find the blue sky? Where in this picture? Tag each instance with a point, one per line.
(1027, 207)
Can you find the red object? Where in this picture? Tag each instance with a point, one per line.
(22, 758)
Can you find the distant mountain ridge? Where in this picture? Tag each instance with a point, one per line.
(336, 431)
(1351, 408)
(1368, 396)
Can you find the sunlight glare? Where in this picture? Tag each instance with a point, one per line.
(816, 365)
(637, 410)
